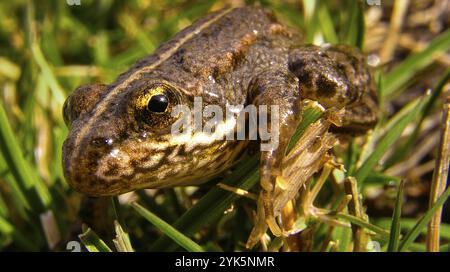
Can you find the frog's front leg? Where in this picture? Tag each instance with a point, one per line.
(338, 78)
(275, 87)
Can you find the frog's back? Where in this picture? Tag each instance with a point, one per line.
(221, 45)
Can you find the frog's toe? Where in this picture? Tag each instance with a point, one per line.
(273, 226)
(271, 181)
(270, 214)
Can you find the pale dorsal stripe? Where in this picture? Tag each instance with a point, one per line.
(101, 107)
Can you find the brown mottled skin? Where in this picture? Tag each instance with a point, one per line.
(238, 56)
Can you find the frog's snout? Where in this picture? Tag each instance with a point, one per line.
(97, 166)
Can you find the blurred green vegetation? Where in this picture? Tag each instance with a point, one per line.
(48, 48)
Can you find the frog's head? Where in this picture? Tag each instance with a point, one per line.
(120, 137)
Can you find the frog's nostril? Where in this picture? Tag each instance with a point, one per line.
(102, 141)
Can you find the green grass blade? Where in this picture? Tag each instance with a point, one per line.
(27, 180)
(395, 225)
(161, 211)
(403, 73)
(19, 199)
(8, 231)
(344, 237)
(122, 241)
(49, 76)
(408, 223)
(387, 141)
(92, 242)
(327, 25)
(423, 221)
(9, 69)
(406, 147)
(309, 11)
(167, 229)
(310, 116)
(128, 23)
(445, 248)
(3, 207)
(213, 204)
(380, 179)
(5, 227)
(356, 25)
(360, 222)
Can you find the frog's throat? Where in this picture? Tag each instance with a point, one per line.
(102, 105)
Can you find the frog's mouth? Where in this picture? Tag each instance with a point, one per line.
(111, 169)
(111, 166)
(80, 170)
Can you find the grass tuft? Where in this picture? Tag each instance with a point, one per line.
(48, 50)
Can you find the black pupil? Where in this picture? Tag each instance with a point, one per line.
(158, 103)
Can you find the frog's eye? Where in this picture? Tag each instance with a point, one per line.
(153, 106)
(158, 103)
(82, 101)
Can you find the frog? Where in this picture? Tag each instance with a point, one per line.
(120, 137)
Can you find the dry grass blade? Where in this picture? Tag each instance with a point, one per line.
(439, 182)
(355, 208)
